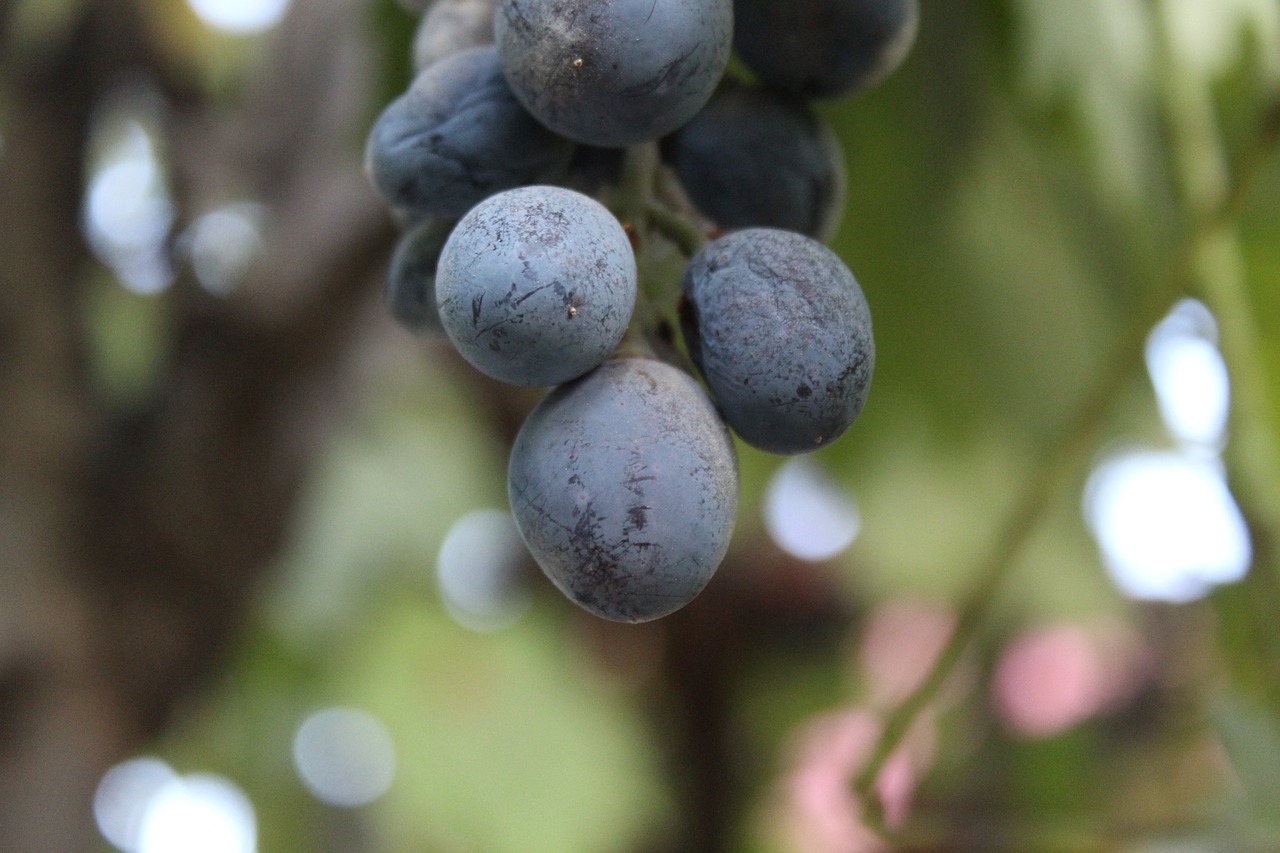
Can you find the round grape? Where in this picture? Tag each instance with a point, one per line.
(617, 73)
(536, 285)
(824, 48)
(411, 278)
(456, 137)
(624, 486)
(781, 332)
(752, 157)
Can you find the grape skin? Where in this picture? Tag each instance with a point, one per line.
(617, 73)
(458, 136)
(594, 170)
(624, 485)
(824, 48)
(411, 278)
(536, 285)
(756, 158)
(781, 331)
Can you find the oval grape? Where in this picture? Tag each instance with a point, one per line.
(624, 485)
(457, 136)
(824, 48)
(781, 331)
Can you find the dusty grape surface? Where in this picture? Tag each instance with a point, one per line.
(624, 486)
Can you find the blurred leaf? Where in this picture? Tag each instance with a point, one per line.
(1252, 741)
(127, 334)
(385, 497)
(1100, 56)
(36, 23)
(220, 62)
(506, 741)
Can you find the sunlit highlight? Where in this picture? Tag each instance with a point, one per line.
(123, 795)
(200, 813)
(344, 756)
(1189, 375)
(1165, 521)
(480, 571)
(1167, 525)
(223, 244)
(128, 213)
(240, 17)
(807, 514)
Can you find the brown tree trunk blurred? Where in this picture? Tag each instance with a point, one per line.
(132, 539)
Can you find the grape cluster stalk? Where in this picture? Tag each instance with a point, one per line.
(544, 148)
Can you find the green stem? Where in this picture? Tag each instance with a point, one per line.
(677, 228)
(637, 202)
(1060, 461)
(630, 198)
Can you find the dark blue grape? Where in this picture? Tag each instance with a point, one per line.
(536, 285)
(411, 278)
(781, 332)
(593, 168)
(458, 136)
(617, 73)
(450, 26)
(756, 158)
(824, 48)
(624, 486)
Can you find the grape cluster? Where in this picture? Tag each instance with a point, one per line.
(533, 131)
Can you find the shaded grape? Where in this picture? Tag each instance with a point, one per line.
(824, 48)
(781, 331)
(618, 73)
(411, 278)
(752, 157)
(458, 136)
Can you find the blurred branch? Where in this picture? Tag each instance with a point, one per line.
(191, 495)
(760, 603)
(1061, 460)
(59, 718)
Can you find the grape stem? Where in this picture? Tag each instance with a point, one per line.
(643, 201)
(638, 200)
(676, 227)
(630, 198)
(1061, 460)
